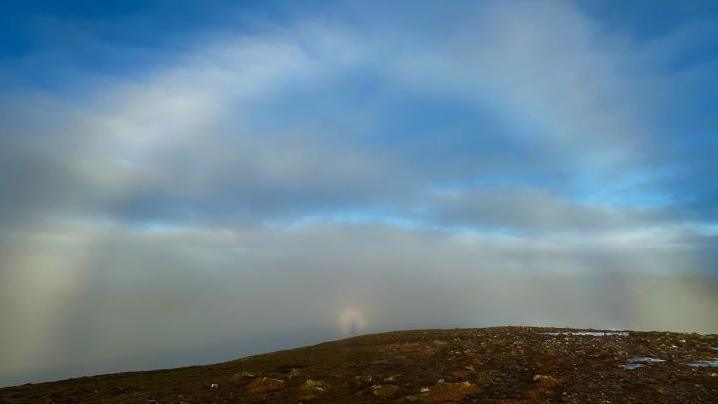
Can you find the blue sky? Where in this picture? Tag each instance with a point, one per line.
(319, 150)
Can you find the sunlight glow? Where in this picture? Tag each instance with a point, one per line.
(351, 322)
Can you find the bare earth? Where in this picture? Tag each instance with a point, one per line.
(505, 364)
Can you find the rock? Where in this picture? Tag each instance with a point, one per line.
(293, 374)
(391, 379)
(443, 392)
(265, 385)
(384, 391)
(543, 385)
(243, 376)
(544, 379)
(361, 382)
(313, 389)
(315, 386)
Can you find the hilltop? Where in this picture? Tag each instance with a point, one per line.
(455, 365)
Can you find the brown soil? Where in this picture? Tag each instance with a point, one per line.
(506, 364)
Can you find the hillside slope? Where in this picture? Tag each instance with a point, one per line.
(457, 365)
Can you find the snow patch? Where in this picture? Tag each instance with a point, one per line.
(589, 333)
(640, 361)
(645, 359)
(704, 364)
(631, 366)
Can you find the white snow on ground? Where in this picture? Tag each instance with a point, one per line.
(631, 366)
(640, 361)
(645, 359)
(589, 333)
(704, 364)
(711, 363)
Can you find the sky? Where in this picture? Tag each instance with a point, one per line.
(189, 182)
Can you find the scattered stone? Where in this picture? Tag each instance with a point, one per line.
(265, 385)
(517, 365)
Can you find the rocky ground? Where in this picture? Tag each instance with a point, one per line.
(506, 364)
